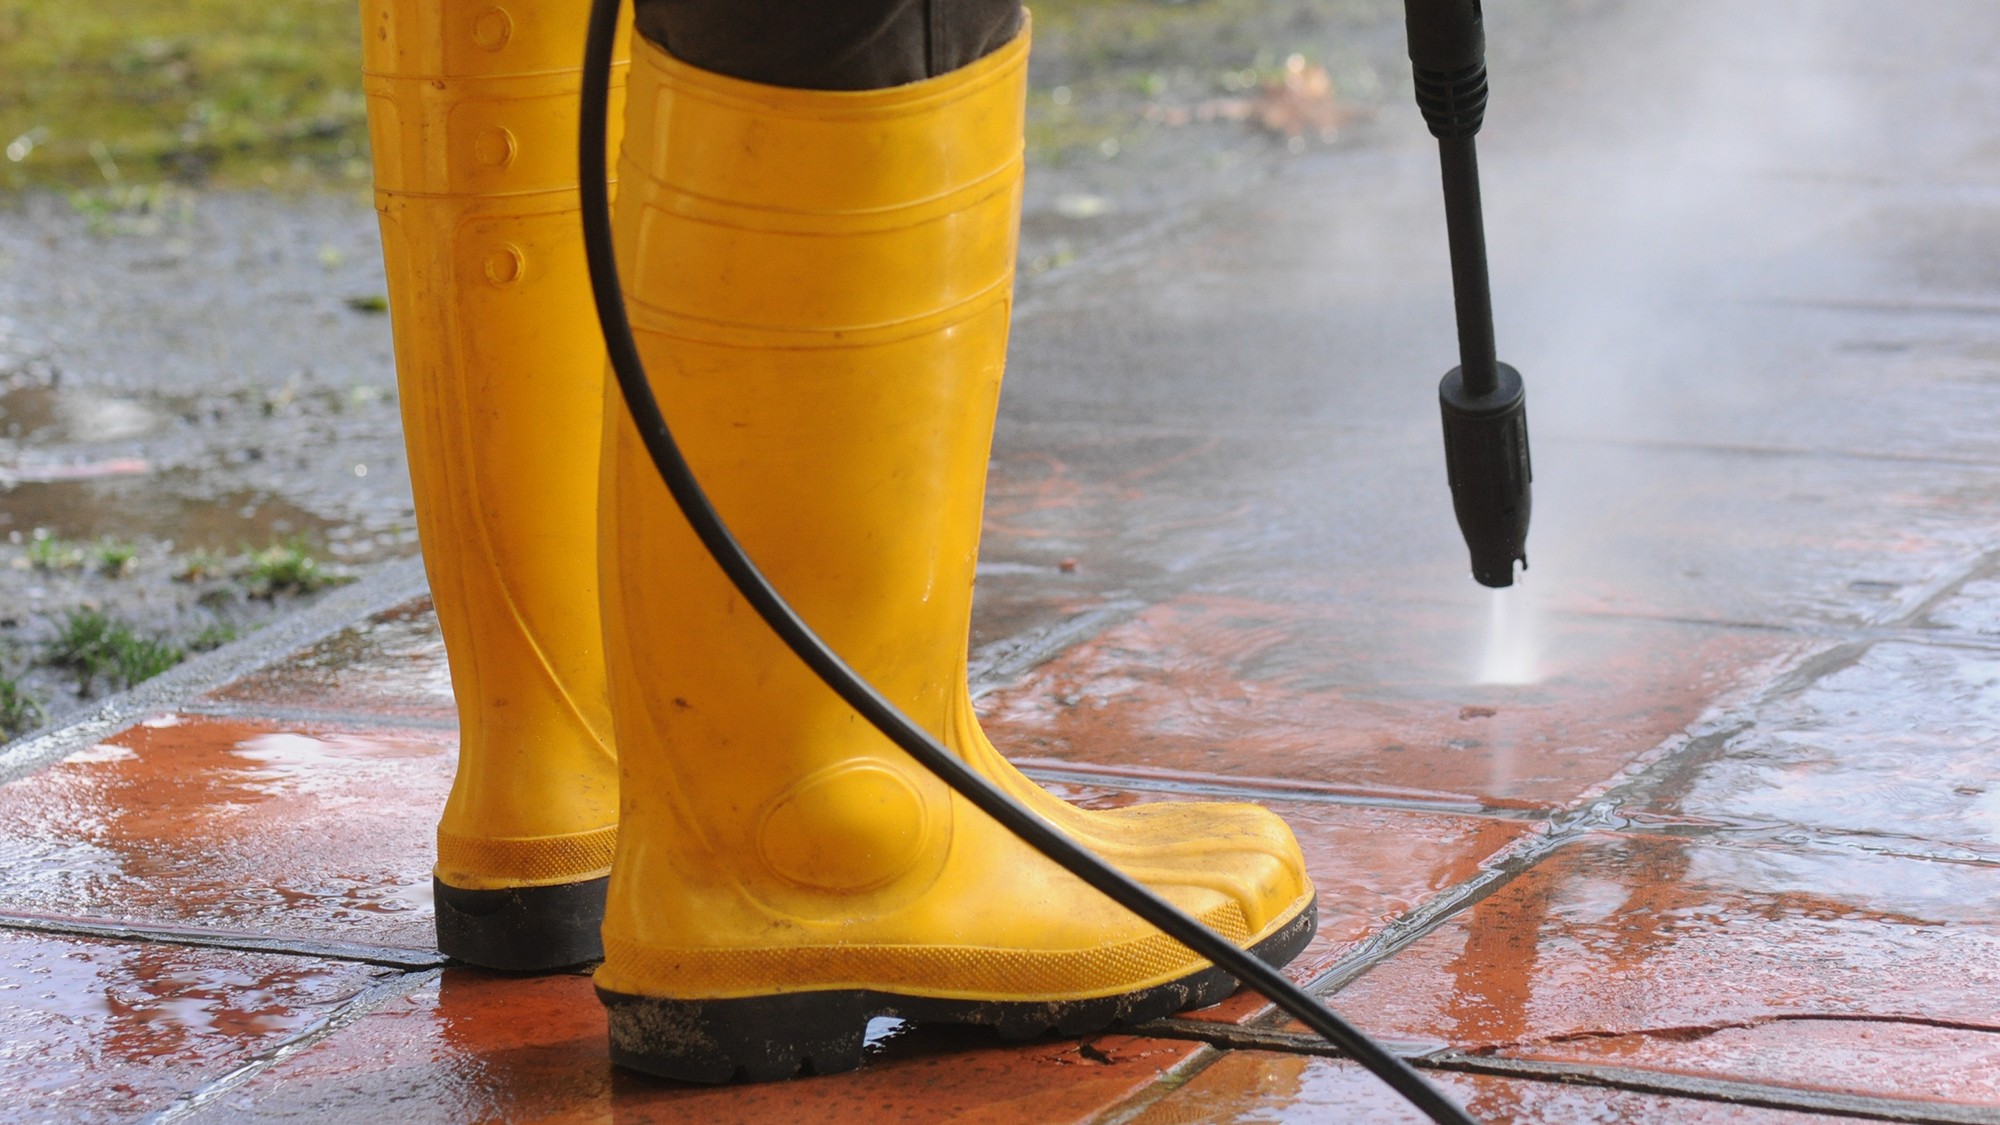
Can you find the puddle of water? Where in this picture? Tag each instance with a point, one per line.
(1896, 749)
(232, 825)
(152, 507)
(286, 763)
(48, 415)
(100, 1031)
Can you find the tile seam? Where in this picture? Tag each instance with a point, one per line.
(1775, 835)
(332, 717)
(1590, 814)
(1809, 665)
(1005, 661)
(1726, 1090)
(1275, 790)
(1227, 1037)
(1160, 1089)
(1748, 449)
(1078, 430)
(383, 956)
(369, 1000)
(1502, 867)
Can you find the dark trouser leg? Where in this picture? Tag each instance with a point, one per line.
(829, 44)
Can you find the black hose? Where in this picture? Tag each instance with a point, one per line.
(857, 693)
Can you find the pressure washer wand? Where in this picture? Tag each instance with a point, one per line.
(1483, 400)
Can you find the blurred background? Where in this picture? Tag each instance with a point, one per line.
(198, 418)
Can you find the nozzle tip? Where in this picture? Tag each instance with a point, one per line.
(1486, 462)
(1497, 574)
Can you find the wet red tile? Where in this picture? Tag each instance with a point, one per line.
(1674, 524)
(1897, 747)
(1369, 865)
(1735, 961)
(1857, 1056)
(1765, 531)
(102, 1031)
(233, 825)
(392, 665)
(1277, 1089)
(479, 1047)
(1373, 698)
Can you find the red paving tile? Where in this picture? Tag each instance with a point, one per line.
(233, 825)
(1915, 1060)
(390, 665)
(1250, 688)
(1898, 745)
(1724, 533)
(1370, 866)
(1728, 961)
(480, 1047)
(108, 1031)
(1277, 1089)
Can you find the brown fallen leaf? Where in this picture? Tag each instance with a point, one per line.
(1301, 102)
(1298, 103)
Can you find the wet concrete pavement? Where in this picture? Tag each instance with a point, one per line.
(1697, 824)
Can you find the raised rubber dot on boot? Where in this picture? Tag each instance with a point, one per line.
(495, 147)
(848, 827)
(493, 29)
(504, 266)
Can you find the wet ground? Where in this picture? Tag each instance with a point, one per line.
(195, 364)
(1697, 824)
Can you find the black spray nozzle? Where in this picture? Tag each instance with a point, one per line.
(1486, 460)
(1485, 405)
(1448, 57)
(1446, 36)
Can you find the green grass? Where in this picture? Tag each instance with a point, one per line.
(93, 645)
(46, 552)
(141, 90)
(19, 711)
(212, 637)
(138, 659)
(202, 564)
(83, 646)
(289, 567)
(115, 96)
(114, 557)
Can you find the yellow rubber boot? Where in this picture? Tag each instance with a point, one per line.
(820, 283)
(472, 112)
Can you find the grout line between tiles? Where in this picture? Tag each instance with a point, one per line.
(385, 956)
(1726, 1090)
(998, 664)
(319, 716)
(1229, 1037)
(1592, 813)
(369, 1000)
(1163, 1087)
(1269, 789)
(1497, 871)
(1005, 661)
(1250, 1037)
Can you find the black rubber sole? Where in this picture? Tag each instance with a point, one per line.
(522, 929)
(767, 1038)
